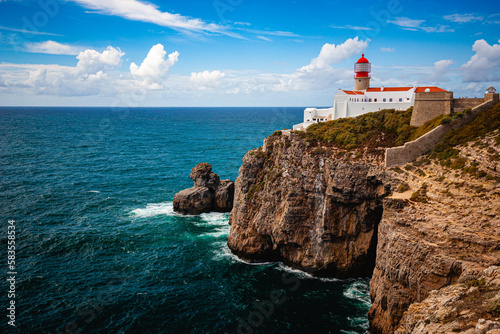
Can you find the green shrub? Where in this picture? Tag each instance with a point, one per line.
(420, 195)
(403, 187)
(446, 120)
(494, 307)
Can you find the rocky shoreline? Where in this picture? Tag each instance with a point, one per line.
(427, 230)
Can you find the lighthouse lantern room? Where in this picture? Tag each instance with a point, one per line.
(362, 70)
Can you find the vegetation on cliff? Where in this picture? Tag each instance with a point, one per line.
(485, 123)
(385, 128)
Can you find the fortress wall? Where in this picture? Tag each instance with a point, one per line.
(460, 105)
(401, 155)
(428, 105)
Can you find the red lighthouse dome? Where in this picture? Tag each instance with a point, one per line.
(362, 68)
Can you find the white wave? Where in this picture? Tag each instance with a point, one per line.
(215, 218)
(305, 275)
(94, 191)
(222, 252)
(217, 233)
(153, 210)
(357, 291)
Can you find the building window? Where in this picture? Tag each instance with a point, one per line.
(374, 100)
(390, 100)
(400, 100)
(369, 100)
(385, 100)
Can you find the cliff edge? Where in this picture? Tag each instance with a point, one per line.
(428, 233)
(313, 208)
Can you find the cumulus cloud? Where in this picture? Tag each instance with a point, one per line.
(91, 61)
(334, 54)
(463, 18)
(441, 68)
(51, 47)
(415, 25)
(319, 74)
(136, 10)
(155, 68)
(37, 78)
(484, 65)
(206, 79)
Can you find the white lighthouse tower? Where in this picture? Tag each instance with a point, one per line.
(362, 70)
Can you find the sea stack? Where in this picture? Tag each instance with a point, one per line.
(208, 194)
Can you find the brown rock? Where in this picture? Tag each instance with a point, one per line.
(203, 176)
(208, 194)
(312, 212)
(193, 201)
(224, 196)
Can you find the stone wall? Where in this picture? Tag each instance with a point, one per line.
(461, 104)
(428, 105)
(401, 155)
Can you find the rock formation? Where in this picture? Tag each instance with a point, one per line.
(298, 204)
(449, 235)
(436, 238)
(208, 194)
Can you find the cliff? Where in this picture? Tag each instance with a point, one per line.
(426, 232)
(440, 227)
(313, 208)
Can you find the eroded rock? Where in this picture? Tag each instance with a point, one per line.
(208, 194)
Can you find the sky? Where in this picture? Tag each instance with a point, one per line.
(138, 53)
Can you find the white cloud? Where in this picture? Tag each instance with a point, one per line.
(334, 54)
(264, 38)
(415, 25)
(136, 10)
(155, 68)
(382, 49)
(32, 32)
(270, 32)
(463, 18)
(441, 68)
(353, 28)
(319, 74)
(91, 61)
(207, 79)
(51, 47)
(484, 65)
(37, 78)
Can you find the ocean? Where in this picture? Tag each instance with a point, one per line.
(98, 249)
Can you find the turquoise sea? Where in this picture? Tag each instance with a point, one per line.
(100, 250)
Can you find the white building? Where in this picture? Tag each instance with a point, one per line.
(364, 99)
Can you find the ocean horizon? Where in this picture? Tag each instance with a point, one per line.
(99, 248)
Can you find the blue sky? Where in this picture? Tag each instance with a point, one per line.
(238, 52)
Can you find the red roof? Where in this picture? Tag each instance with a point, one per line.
(351, 92)
(362, 59)
(432, 89)
(389, 89)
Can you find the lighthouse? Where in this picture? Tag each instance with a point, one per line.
(362, 70)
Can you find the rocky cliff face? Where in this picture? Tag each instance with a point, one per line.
(436, 237)
(310, 207)
(445, 229)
